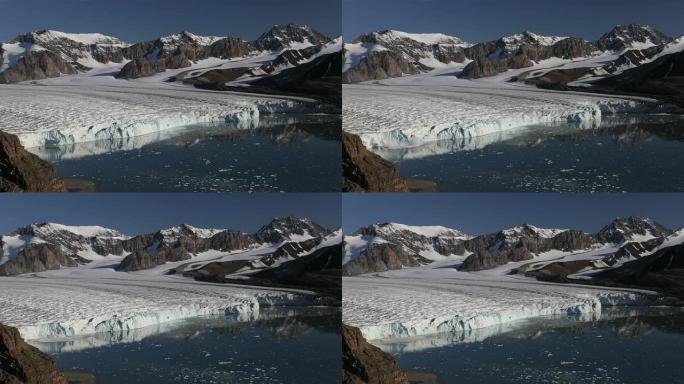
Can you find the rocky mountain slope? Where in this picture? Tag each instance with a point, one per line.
(385, 54)
(22, 171)
(21, 363)
(381, 247)
(46, 246)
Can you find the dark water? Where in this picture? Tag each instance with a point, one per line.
(645, 347)
(303, 346)
(286, 153)
(644, 154)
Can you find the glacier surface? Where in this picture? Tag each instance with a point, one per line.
(412, 111)
(95, 106)
(70, 302)
(433, 300)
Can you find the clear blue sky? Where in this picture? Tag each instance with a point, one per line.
(137, 20)
(488, 212)
(482, 20)
(135, 213)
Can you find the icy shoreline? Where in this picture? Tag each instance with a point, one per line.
(398, 116)
(459, 324)
(244, 310)
(56, 115)
(71, 305)
(403, 304)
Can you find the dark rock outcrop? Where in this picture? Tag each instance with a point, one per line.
(37, 65)
(364, 171)
(21, 363)
(662, 78)
(280, 36)
(492, 251)
(282, 227)
(379, 65)
(622, 36)
(621, 229)
(37, 258)
(22, 171)
(179, 246)
(379, 258)
(365, 363)
(662, 271)
(499, 56)
(319, 79)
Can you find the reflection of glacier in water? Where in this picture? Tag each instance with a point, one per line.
(134, 335)
(626, 153)
(284, 153)
(528, 136)
(621, 345)
(279, 346)
(99, 147)
(526, 328)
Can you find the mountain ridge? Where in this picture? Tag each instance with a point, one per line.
(369, 249)
(485, 58)
(44, 246)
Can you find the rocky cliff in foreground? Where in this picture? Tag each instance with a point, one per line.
(365, 363)
(21, 363)
(364, 171)
(22, 171)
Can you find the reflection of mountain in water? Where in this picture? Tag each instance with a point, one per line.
(624, 322)
(279, 322)
(622, 129)
(279, 129)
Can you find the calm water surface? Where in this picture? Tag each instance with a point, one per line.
(635, 153)
(642, 346)
(285, 153)
(298, 346)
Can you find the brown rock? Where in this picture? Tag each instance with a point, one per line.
(364, 171)
(378, 66)
(365, 363)
(37, 65)
(21, 363)
(22, 171)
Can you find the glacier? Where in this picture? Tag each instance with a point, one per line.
(62, 304)
(412, 111)
(392, 114)
(423, 301)
(91, 107)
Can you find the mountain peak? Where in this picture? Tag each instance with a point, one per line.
(291, 35)
(290, 228)
(632, 228)
(49, 37)
(389, 36)
(632, 36)
(527, 37)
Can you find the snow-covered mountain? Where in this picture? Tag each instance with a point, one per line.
(381, 247)
(44, 54)
(381, 55)
(632, 36)
(391, 53)
(45, 246)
